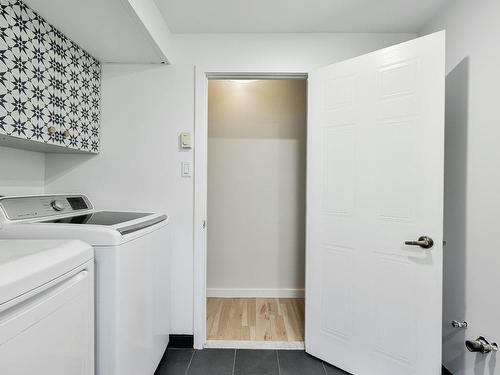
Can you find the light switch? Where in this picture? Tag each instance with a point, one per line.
(186, 169)
(186, 140)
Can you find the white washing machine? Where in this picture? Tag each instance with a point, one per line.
(46, 307)
(132, 271)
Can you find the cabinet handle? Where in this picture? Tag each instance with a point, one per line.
(51, 130)
(66, 133)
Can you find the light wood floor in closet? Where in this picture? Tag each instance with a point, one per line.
(255, 319)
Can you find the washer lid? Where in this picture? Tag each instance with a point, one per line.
(28, 264)
(107, 218)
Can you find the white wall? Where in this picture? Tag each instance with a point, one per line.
(21, 172)
(144, 109)
(256, 187)
(472, 180)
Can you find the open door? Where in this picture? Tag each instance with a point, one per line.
(375, 181)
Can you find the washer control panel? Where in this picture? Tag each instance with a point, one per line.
(30, 207)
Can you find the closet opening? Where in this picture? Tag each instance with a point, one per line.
(256, 191)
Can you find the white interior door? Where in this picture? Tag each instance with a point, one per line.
(375, 180)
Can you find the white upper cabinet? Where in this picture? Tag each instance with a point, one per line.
(121, 31)
(49, 86)
(50, 66)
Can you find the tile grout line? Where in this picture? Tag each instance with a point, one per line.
(278, 360)
(234, 361)
(189, 364)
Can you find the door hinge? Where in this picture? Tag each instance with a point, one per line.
(204, 224)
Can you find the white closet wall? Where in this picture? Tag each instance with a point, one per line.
(256, 187)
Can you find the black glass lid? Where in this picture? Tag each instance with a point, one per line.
(100, 218)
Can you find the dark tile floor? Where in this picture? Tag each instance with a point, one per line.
(242, 362)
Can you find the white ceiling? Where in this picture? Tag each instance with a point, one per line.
(269, 16)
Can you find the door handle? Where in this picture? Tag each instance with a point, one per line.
(423, 241)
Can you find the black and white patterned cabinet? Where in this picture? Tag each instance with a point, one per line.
(49, 86)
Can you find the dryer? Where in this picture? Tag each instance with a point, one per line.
(132, 255)
(46, 307)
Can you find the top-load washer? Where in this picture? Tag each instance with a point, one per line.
(132, 272)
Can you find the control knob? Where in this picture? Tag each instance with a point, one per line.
(57, 205)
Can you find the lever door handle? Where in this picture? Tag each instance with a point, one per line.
(423, 241)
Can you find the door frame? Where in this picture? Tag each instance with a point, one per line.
(202, 75)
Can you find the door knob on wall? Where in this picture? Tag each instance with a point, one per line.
(423, 241)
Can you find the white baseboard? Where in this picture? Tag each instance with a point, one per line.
(254, 293)
(282, 345)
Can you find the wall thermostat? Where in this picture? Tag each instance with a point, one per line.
(186, 140)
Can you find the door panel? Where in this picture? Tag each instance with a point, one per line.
(375, 180)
